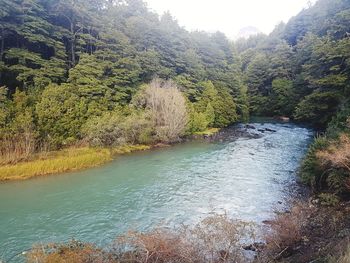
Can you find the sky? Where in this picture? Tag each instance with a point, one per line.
(229, 16)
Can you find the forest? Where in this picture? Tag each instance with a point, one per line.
(67, 75)
(109, 73)
(104, 74)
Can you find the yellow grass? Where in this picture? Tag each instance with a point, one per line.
(208, 132)
(66, 160)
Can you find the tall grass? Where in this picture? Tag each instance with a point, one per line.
(71, 159)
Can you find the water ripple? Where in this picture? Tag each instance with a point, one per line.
(183, 184)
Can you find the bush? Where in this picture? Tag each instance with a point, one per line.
(138, 129)
(311, 170)
(73, 252)
(105, 131)
(60, 113)
(115, 128)
(216, 239)
(327, 199)
(198, 122)
(335, 160)
(287, 229)
(167, 107)
(16, 148)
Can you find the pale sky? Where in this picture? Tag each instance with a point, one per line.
(229, 16)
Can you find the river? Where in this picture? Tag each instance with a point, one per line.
(248, 178)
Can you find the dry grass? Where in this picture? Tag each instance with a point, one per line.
(71, 159)
(335, 160)
(216, 239)
(286, 231)
(337, 155)
(345, 258)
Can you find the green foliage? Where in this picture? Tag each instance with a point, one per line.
(60, 113)
(114, 129)
(327, 199)
(282, 97)
(339, 123)
(311, 171)
(210, 114)
(217, 104)
(318, 108)
(76, 61)
(198, 122)
(310, 53)
(105, 130)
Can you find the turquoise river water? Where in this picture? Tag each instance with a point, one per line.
(248, 178)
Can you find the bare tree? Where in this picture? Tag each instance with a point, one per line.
(168, 109)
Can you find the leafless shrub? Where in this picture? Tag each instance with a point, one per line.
(216, 239)
(220, 239)
(160, 245)
(286, 230)
(17, 147)
(168, 109)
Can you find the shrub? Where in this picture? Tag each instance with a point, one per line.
(115, 129)
(337, 155)
(311, 170)
(198, 122)
(60, 113)
(327, 199)
(167, 107)
(105, 131)
(335, 160)
(216, 239)
(287, 229)
(137, 128)
(16, 148)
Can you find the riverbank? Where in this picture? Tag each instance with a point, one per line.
(66, 160)
(76, 158)
(310, 232)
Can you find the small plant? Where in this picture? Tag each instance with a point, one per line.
(73, 252)
(327, 199)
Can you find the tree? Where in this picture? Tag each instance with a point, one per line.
(282, 97)
(61, 113)
(167, 106)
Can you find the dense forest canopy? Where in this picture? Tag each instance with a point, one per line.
(302, 68)
(64, 63)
